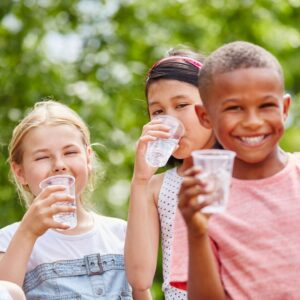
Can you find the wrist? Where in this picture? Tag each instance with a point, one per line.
(140, 180)
(27, 234)
(197, 232)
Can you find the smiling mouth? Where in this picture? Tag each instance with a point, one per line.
(253, 140)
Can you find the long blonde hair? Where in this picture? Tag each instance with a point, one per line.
(47, 113)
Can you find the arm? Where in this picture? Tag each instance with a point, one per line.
(141, 295)
(142, 237)
(13, 262)
(38, 219)
(203, 278)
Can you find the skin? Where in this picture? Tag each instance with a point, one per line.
(177, 99)
(246, 109)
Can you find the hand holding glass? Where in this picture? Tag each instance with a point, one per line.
(68, 181)
(217, 171)
(159, 151)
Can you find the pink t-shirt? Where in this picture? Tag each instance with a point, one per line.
(256, 240)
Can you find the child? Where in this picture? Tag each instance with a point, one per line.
(171, 89)
(39, 253)
(10, 291)
(251, 251)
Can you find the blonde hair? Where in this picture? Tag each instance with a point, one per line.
(47, 113)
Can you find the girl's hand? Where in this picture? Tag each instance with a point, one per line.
(190, 208)
(151, 131)
(39, 216)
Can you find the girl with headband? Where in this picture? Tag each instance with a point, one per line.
(171, 89)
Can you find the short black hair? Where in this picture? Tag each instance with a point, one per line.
(234, 56)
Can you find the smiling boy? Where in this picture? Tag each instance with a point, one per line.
(251, 250)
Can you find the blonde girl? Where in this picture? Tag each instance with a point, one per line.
(40, 254)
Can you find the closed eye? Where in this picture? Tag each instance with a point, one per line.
(42, 157)
(71, 152)
(233, 108)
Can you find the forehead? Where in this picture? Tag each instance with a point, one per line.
(250, 82)
(168, 89)
(49, 135)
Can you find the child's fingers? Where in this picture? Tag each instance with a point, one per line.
(156, 121)
(150, 136)
(56, 198)
(155, 127)
(154, 135)
(56, 209)
(47, 191)
(58, 225)
(190, 189)
(193, 171)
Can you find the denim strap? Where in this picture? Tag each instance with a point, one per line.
(92, 264)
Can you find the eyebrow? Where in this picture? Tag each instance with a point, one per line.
(265, 97)
(45, 150)
(178, 97)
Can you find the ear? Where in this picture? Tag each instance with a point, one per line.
(286, 105)
(203, 116)
(18, 172)
(89, 153)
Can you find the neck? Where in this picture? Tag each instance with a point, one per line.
(271, 165)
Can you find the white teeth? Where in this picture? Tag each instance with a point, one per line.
(253, 140)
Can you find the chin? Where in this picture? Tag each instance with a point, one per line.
(181, 154)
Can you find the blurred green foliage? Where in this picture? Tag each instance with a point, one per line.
(94, 55)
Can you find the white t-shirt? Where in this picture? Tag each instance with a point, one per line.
(4, 295)
(106, 237)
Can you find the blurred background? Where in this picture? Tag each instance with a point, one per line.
(94, 56)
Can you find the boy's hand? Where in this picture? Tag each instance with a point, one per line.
(191, 187)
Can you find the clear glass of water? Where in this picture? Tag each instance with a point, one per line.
(69, 218)
(216, 165)
(159, 151)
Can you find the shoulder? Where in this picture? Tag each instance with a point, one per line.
(294, 158)
(9, 229)
(157, 180)
(155, 185)
(295, 155)
(6, 234)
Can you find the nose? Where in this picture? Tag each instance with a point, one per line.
(58, 165)
(252, 120)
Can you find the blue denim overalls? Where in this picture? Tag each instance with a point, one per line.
(93, 277)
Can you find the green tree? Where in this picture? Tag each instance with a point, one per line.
(94, 55)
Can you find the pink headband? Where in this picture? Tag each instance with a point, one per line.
(189, 60)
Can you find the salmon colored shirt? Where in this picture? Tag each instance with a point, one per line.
(256, 241)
